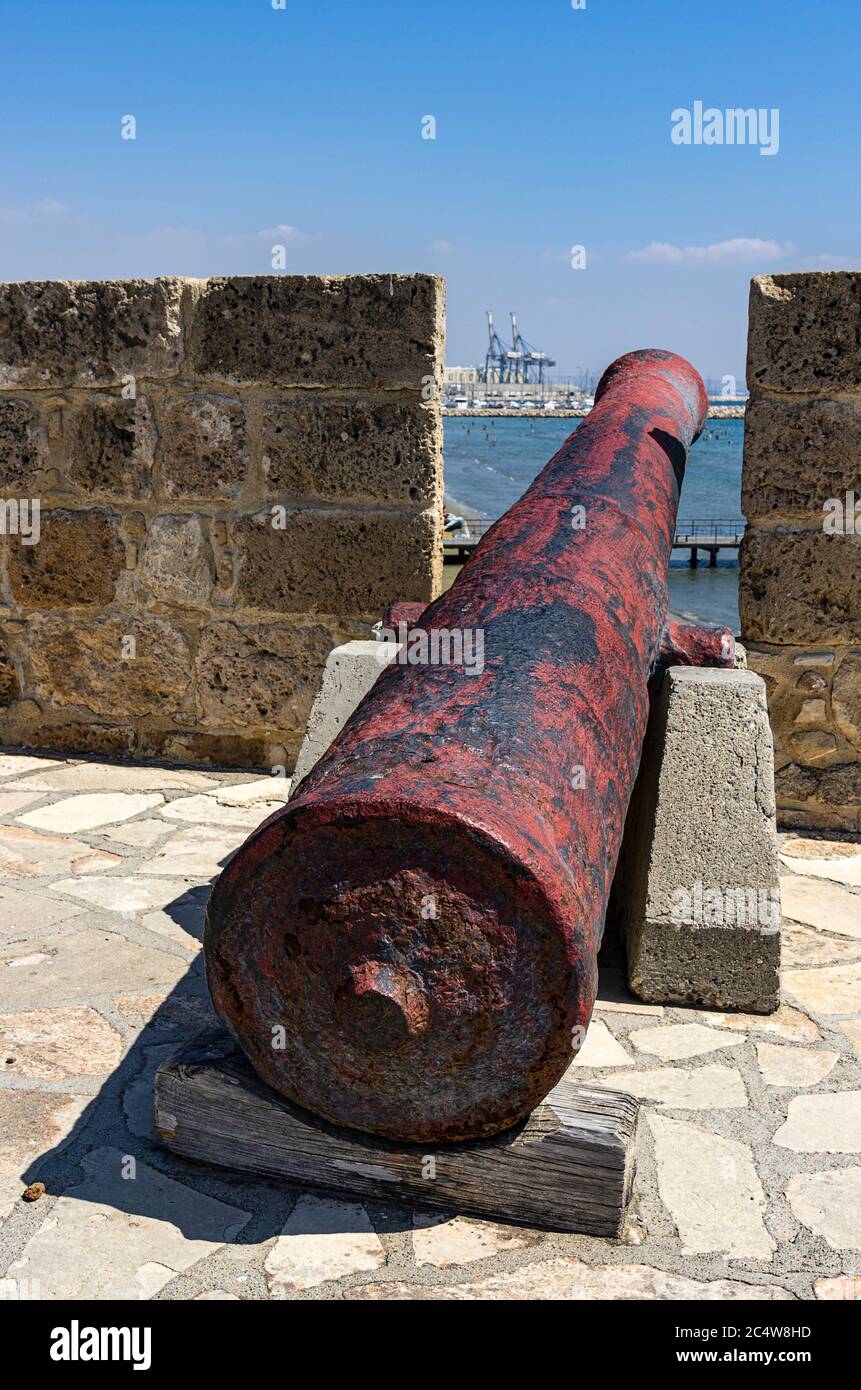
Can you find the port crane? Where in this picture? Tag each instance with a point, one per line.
(519, 363)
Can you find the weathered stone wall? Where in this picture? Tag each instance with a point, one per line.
(800, 564)
(234, 476)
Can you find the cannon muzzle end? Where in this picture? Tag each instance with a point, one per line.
(398, 972)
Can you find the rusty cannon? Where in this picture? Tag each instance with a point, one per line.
(409, 947)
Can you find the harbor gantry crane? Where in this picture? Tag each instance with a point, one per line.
(496, 359)
(528, 364)
(519, 363)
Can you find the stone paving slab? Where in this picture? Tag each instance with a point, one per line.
(601, 1049)
(124, 1232)
(678, 1041)
(829, 1203)
(197, 852)
(205, 810)
(834, 990)
(43, 775)
(793, 1066)
(90, 811)
(17, 764)
(54, 1044)
(749, 1179)
(814, 902)
(806, 946)
(569, 1279)
(80, 964)
(23, 911)
(10, 802)
(26, 854)
(842, 868)
(124, 895)
(31, 1123)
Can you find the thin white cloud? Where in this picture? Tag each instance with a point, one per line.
(839, 262)
(283, 229)
(46, 210)
(285, 232)
(445, 248)
(740, 248)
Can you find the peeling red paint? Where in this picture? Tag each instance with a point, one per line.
(689, 644)
(423, 919)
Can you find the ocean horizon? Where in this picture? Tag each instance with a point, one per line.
(489, 463)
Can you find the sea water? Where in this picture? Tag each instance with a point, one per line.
(490, 462)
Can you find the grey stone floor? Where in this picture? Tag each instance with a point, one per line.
(749, 1179)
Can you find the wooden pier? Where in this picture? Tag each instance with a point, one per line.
(692, 535)
(710, 536)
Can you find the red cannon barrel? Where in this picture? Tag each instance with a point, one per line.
(409, 946)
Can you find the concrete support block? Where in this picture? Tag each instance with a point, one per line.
(349, 673)
(696, 890)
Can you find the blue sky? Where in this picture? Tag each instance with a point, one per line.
(553, 130)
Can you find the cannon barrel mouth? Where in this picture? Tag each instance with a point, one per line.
(664, 369)
(407, 979)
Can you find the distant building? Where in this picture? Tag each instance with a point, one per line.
(461, 376)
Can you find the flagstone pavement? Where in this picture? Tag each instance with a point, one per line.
(749, 1177)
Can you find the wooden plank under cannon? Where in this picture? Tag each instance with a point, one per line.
(568, 1167)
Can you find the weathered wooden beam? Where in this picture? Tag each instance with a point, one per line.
(569, 1166)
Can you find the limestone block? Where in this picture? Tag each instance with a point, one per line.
(77, 561)
(803, 332)
(261, 675)
(379, 331)
(23, 445)
(798, 454)
(846, 698)
(800, 586)
(837, 787)
(813, 702)
(203, 449)
(796, 783)
(85, 665)
(306, 561)
(9, 688)
(817, 763)
(350, 672)
(204, 749)
(390, 451)
(176, 565)
(697, 884)
(111, 446)
(59, 333)
(64, 735)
